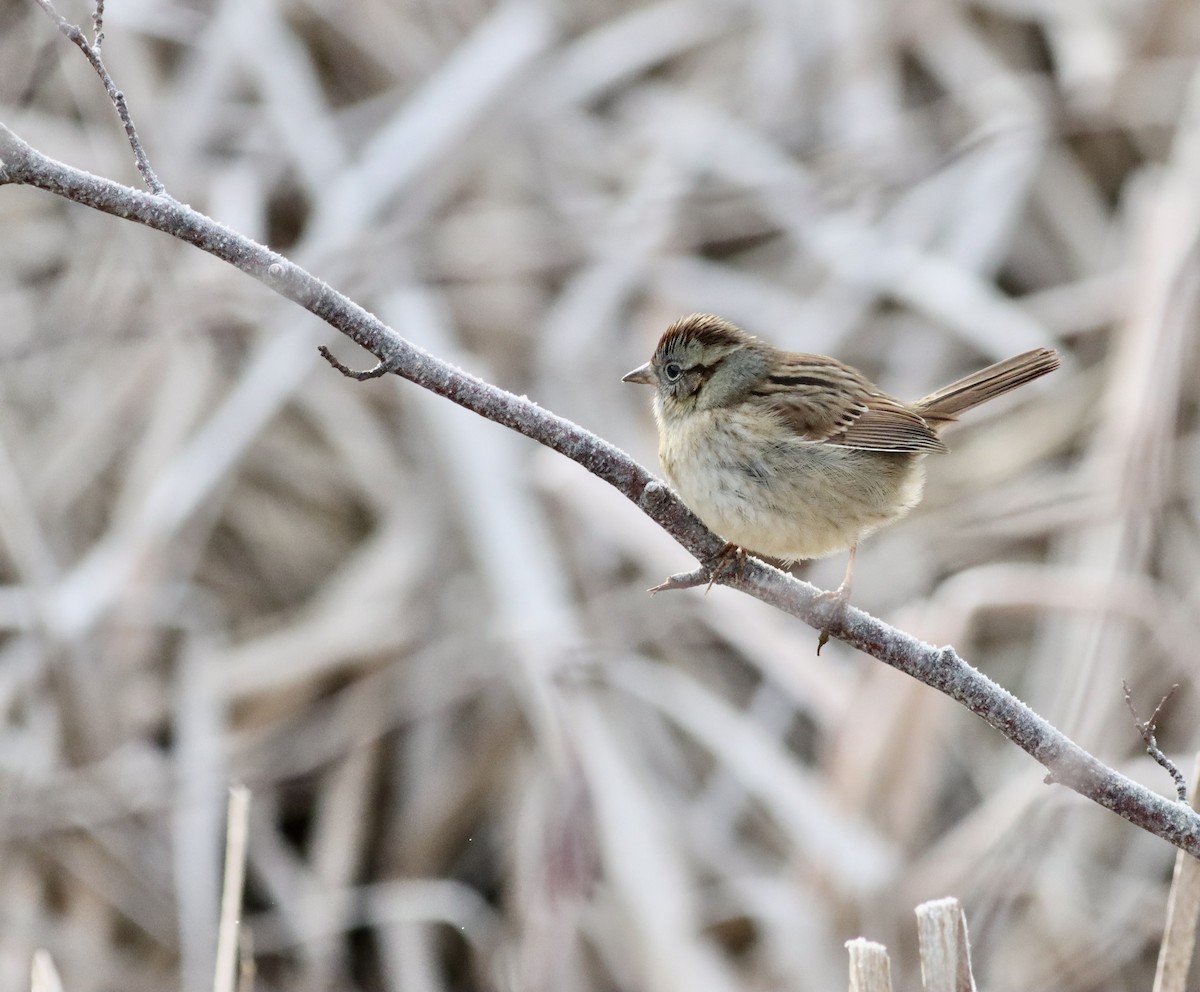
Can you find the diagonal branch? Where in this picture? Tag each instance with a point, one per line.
(941, 668)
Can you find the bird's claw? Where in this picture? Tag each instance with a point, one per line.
(730, 556)
(840, 598)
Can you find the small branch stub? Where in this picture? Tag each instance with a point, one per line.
(729, 560)
(382, 368)
(1147, 729)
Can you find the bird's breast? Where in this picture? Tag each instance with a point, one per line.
(772, 492)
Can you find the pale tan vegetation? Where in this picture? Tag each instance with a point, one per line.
(480, 755)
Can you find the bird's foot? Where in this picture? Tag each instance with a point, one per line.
(840, 599)
(729, 557)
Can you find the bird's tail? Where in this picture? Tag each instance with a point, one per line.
(944, 406)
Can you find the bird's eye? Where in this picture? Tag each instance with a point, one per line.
(672, 370)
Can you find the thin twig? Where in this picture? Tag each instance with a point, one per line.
(1147, 729)
(1068, 764)
(92, 51)
(98, 26)
(374, 372)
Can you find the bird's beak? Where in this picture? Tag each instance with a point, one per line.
(643, 375)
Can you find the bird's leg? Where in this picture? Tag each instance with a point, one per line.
(730, 556)
(840, 598)
(842, 592)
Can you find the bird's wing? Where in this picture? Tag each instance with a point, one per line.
(824, 401)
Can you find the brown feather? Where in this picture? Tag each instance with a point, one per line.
(838, 405)
(888, 426)
(706, 329)
(944, 405)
